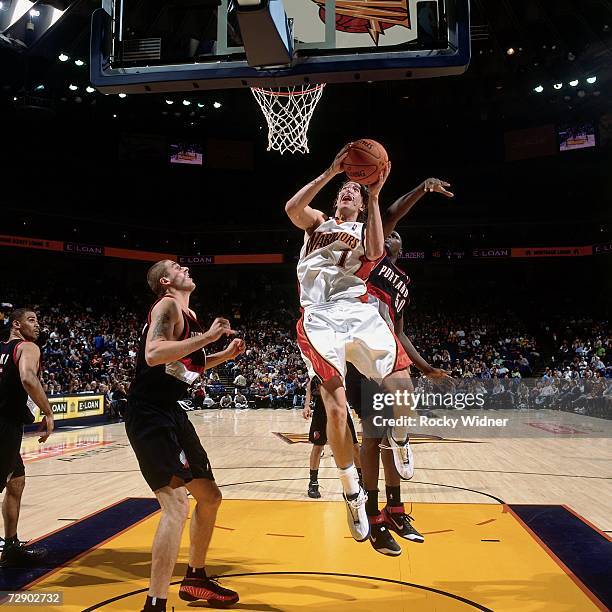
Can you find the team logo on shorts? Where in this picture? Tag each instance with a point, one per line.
(183, 459)
(316, 435)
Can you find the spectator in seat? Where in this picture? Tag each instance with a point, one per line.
(240, 381)
(208, 401)
(282, 395)
(240, 401)
(226, 401)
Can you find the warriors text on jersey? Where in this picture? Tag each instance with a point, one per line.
(333, 265)
(14, 405)
(389, 285)
(167, 383)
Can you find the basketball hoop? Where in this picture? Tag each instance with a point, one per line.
(288, 111)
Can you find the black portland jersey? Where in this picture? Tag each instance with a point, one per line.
(13, 397)
(165, 384)
(389, 285)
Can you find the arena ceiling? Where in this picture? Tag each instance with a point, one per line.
(517, 45)
(94, 150)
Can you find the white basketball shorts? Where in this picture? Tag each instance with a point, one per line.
(331, 334)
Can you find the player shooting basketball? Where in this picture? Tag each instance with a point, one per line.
(338, 324)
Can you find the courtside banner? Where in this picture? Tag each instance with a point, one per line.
(31, 243)
(602, 249)
(574, 251)
(78, 248)
(137, 255)
(252, 258)
(196, 260)
(265, 258)
(83, 249)
(412, 255)
(492, 252)
(70, 407)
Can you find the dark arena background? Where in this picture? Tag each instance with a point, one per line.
(510, 295)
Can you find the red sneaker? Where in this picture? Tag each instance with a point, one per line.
(192, 589)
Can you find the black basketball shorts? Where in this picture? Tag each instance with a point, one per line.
(11, 464)
(166, 444)
(318, 425)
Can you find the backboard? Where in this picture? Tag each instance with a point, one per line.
(192, 46)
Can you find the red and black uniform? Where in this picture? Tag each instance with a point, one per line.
(389, 285)
(14, 412)
(318, 424)
(163, 438)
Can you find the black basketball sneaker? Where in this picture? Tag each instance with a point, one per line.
(397, 520)
(208, 589)
(381, 539)
(313, 490)
(20, 556)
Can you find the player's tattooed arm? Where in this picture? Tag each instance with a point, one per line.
(161, 344)
(162, 326)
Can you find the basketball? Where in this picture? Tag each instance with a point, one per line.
(365, 160)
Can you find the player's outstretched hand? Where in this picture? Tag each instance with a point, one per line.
(236, 347)
(220, 327)
(337, 165)
(306, 412)
(431, 185)
(382, 177)
(440, 376)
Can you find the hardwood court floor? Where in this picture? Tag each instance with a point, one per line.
(290, 555)
(491, 509)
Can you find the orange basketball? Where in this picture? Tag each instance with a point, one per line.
(365, 160)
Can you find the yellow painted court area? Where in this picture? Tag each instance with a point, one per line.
(454, 570)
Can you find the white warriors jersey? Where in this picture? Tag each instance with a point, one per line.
(332, 263)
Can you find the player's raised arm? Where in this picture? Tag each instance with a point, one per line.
(375, 239)
(236, 347)
(417, 359)
(402, 206)
(298, 207)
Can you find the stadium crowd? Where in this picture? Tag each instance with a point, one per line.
(93, 350)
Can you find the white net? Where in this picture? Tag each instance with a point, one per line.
(288, 111)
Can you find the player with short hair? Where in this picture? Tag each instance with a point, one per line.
(338, 324)
(172, 460)
(20, 392)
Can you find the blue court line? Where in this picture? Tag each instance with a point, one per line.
(77, 538)
(585, 551)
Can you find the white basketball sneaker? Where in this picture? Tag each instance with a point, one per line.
(402, 456)
(356, 515)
